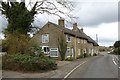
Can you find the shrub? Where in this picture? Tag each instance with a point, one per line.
(23, 62)
(94, 54)
(85, 55)
(36, 51)
(117, 51)
(117, 44)
(4, 46)
(62, 46)
(16, 43)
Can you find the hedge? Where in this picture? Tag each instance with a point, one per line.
(23, 62)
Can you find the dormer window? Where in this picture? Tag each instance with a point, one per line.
(68, 38)
(45, 38)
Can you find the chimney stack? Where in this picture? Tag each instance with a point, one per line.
(22, 0)
(82, 29)
(61, 22)
(75, 27)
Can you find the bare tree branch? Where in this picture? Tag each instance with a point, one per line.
(41, 3)
(46, 11)
(47, 6)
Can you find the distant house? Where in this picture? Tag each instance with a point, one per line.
(77, 41)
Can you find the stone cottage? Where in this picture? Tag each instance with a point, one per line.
(77, 41)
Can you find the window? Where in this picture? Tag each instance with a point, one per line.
(79, 51)
(45, 38)
(89, 51)
(68, 52)
(45, 49)
(78, 40)
(84, 50)
(68, 38)
(54, 52)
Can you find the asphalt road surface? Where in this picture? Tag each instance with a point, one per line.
(105, 66)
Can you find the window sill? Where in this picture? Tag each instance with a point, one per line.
(45, 42)
(53, 56)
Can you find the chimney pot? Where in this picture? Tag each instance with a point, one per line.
(61, 22)
(75, 26)
(82, 29)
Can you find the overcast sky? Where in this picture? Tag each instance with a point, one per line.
(95, 16)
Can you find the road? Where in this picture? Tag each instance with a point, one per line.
(91, 67)
(105, 66)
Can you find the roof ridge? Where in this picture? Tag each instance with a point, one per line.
(78, 33)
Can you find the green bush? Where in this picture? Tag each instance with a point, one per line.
(62, 46)
(4, 46)
(117, 51)
(23, 62)
(94, 54)
(85, 55)
(36, 51)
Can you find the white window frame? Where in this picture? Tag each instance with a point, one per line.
(54, 50)
(68, 48)
(67, 38)
(44, 51)
(43, 41)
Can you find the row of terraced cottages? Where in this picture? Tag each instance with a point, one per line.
(78, 43)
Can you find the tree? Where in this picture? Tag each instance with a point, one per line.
(117, 47)
(17, 43)
(20, 18)
(117, 44)
(62, 46)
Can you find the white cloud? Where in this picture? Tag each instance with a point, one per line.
(95, 0)
(95, 13)
(107, 33)
(96, 16)
(3, 23)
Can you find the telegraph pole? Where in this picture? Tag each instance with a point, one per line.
(97, 38)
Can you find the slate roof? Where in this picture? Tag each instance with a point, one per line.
(88, 38)
(78, 33)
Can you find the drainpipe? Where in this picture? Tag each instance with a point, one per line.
(75, 48)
